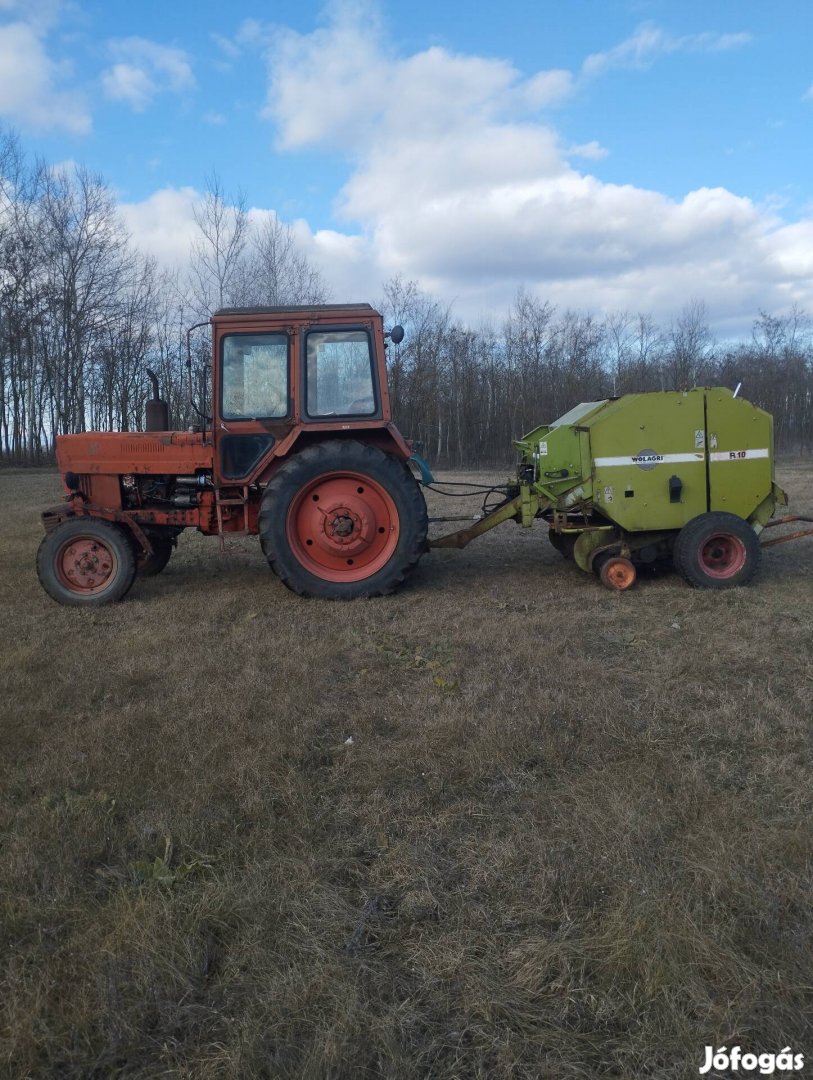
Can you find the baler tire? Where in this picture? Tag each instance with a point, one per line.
(385, 522)
(86, 562)
(150, 565)
(617, 573)
(717, 551)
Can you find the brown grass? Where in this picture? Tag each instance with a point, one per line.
(570, 836)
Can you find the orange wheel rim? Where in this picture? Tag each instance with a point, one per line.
(343, 527)
(618, 573)
(722, 555)
(86, 564)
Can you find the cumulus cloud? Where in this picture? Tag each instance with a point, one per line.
(459, 180)
(32, 85)
(163, 225)
(144, 69)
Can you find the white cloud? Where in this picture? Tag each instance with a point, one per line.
(592, 150)
(456, 183)
(343, 86)
(31, 90)
(144, 69)
(163, 225)
(228, 47)
(649, 41)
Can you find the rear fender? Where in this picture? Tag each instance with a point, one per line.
(386, 438)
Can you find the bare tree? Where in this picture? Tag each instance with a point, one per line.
(216, 253)
(690, 352)
(276, 272)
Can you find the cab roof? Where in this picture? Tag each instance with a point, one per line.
(295, 309)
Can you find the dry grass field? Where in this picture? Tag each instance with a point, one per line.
(503, 824)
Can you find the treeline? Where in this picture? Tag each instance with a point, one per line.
(83, 314)
(466, 393)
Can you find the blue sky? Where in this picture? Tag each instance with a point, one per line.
(605, 154)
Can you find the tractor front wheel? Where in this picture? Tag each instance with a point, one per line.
(342, 520)
(716, 551)
(85, 562)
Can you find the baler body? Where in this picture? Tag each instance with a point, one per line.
(655, 461)
(630, 472)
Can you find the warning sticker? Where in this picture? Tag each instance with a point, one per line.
(609, 494)
(543, 449)
(699, 439)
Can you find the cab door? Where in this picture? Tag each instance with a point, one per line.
(254, 397)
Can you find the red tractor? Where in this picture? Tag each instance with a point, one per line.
(300, 449)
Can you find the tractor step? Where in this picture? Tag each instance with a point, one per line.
(231, 500)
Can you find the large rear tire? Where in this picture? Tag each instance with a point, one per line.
(86, 562)
(150, 565)
(717, 551)
(343, 520)
(162, 548)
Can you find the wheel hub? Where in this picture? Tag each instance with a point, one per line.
(343, 526)
(86, 565)
(722, 556)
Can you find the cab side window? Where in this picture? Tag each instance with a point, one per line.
(254, 381)
(340, 374)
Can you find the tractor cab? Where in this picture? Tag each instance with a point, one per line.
(284, 373)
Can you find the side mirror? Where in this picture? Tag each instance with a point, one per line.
(396, 335)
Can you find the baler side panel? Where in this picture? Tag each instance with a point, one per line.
(559, 458)
(740, 446)
(638, 444)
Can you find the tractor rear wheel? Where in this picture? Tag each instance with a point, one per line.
(716, 551)
(342, 520)
(85, 562)
(150, 565)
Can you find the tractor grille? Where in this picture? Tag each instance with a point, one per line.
(137, 447)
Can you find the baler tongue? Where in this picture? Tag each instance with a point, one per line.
(523, 508)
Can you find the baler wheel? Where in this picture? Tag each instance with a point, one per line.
(86, 562)
(617, 573)
(343, 520)
(717, 551)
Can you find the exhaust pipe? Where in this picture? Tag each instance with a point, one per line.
(157, 410)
